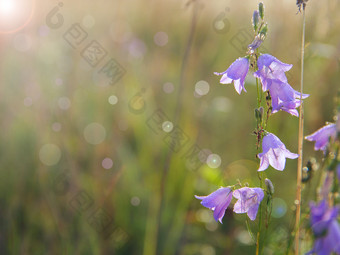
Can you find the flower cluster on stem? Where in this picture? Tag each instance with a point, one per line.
(280, 96)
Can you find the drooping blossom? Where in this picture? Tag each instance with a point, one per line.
(284, 97)
(236, 73)
(326, 229)
(270, 68)
(248, 201)
(218, 201)
(274, 153)
(255, 44)
(321, 136)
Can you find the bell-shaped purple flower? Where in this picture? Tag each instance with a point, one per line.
(326, 229)
(321, 136)
(236, 73)
(218, 201)
(270, 68)
(284, 97)
(274, 153)
(248, 201)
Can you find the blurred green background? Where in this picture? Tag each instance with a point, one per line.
(91, 168)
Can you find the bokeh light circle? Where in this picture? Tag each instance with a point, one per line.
(135, 201)
(94, 133)
(56, 126)
(161, 38)
(107, 163)
(168, 87)
(219, 25)
(202, 88)
(49, 154)
(113, 100)
(64, 103)
(222, 104)
(279, 207)
(167, 126)
(214, 161)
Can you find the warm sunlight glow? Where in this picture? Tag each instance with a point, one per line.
(15, 14)
(7, 7)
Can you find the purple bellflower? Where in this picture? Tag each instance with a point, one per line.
(248, 201)
(218, 201)
(274, 153)
(284, 97)
(321, 136)
(236, 73)
(270, 68)
(326, 229)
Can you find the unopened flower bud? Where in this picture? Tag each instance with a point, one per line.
(261, 110)
(256, 18)
(263, 32)
(270, 186)
(259, 114)
(261, 10)
(337, 119)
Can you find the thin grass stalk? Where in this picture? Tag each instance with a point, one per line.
(300, 144)
(178, 111)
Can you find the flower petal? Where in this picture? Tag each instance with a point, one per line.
(218, 201)
(237, 72)
(248, 201)
(264, 162)
(274, 153)
(322, 135)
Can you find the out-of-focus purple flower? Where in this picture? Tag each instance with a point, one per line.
(338, 172)
(326, 229)
(274, 153)
(327, 185)
(237, 72)
(321, 136)
(248, 201)
(270, 68)
(218, 201)
(284, 97)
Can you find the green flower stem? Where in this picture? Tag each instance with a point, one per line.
(300, 161)
(260, 174)
(258, 93)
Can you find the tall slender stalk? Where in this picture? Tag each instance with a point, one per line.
(260, 174)
(177, 114)
(258, 93)
(260, 220)
(299, 168)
